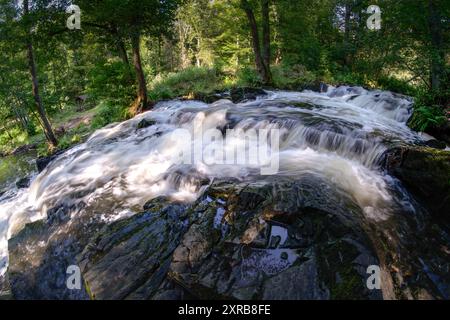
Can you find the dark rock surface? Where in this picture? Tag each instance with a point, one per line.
(436, 144)
(426, 174)
(41, 252)
(245, 93)
(278, 239)
(145, 123)
(23, 183)
(138, 248)
(5, 290)
(317, 87)
(269, 241)
(24, 149)
(43, 162)
(236, 95)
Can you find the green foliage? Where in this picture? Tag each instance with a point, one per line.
(425, 118)
(247, 76)
(11, 139)
(185, 82)
(428, 113)
(68, 140)
(349, 78)
(396, 85)
(294, 77)
(109, 112)
(111, 80)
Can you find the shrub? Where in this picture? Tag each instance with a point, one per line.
(396, 85)
(349, 78)
(425, 118)
(112, 80)
(185, 82)
(248, 77)
(429, 110)
(108, 112)
(293, 77)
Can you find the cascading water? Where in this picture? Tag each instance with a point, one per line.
(339, 136)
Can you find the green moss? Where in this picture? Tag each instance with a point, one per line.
(337, 271)
(349, 287)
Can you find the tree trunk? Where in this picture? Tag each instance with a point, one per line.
(48, 131)
(197, 56)
(263, 70)
(347, 26)
(141, 101)
(266, 34)
(122, 51)
(437, 54)
(120, 44)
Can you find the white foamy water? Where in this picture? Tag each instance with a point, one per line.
(339, 136)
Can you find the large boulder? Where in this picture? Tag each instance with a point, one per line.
(270, 239)
(278, 240)
(43, 162)
(139, 249)
(426, 174)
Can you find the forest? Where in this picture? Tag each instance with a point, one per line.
(58, 84)
(224, 150)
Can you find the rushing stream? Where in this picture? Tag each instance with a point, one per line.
(339, 136)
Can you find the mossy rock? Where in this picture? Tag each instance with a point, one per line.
(426, 174)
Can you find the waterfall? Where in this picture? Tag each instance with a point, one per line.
(339, 135)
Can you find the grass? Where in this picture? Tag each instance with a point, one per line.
(12, 139)
(187, 82)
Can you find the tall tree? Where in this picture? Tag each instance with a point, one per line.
(48, 131)
(136, 19)
(262, 56)
(438, 54)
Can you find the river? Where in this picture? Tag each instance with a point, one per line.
(340, 135)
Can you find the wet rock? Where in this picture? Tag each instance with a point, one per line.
(43, 162)
(246, 93)
(210, 97)
(145, 123)
(5, 290)
(426, 174)
(23, 183)
(317, 87)
(37, 266)
(289, 285)
(136, 252)
(234, 265)
(40, 254)
(436, 144)
(271, 239)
